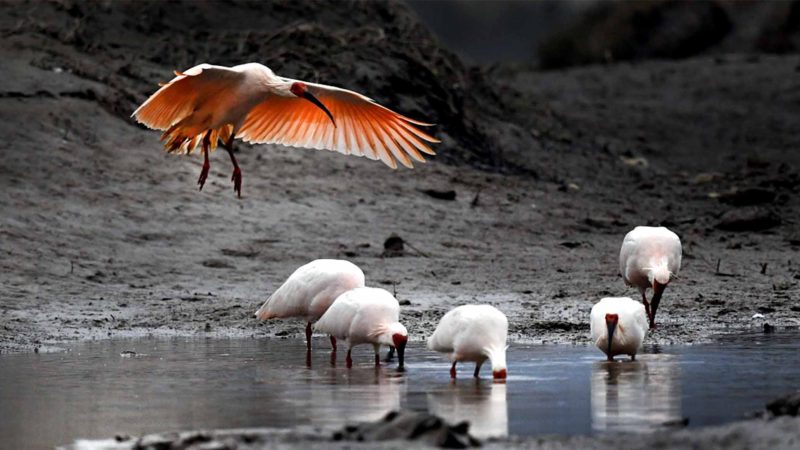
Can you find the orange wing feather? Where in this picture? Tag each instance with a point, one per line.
(363, 127)
(175, 101)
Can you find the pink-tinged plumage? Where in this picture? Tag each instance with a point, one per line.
(207, 104)
(473, 333)
(621, 319)
(366, 316)
(650, 257)
(310, 291)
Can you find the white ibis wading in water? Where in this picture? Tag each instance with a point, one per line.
(366, 316)
(649, 258)
(208, 104)
(473, 333)
(310, 291)
(618, 326)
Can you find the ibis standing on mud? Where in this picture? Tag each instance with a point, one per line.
(310, 291)
(650, 257)
(366, 316)
(209, 104)
(473, 333)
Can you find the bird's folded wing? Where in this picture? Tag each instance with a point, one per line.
(179, 98)
(363, 127)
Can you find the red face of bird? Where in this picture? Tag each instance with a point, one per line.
(400, 341)
(611, 323)
(500, 374)
(301, 90)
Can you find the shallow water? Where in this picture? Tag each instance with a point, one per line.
(93, 391)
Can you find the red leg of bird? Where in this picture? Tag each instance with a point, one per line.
(237, 173)
(206, 165)
(308, 336)
(453, 371)
(349, 360)
(333, 344)
(377, 360)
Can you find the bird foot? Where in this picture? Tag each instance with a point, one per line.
(237, 181)
(203, 175)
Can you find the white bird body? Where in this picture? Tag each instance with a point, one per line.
(366, 316)
(650, 257)
(473, 333)
(208, 103)
(625, 320)
(310, 291)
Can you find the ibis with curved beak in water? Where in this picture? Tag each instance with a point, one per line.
(473, 333)
(366, 316)
(208, 104)
(310, 291)
(618, 326)
(650, 257)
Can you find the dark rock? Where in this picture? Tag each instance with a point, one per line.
(154, 442)
(393, 246)
(217, 264)
(750, 218)
(416, 426)
(239, 253)
(787, 405)
(769, 328)
(440, 195)
(748, 197)
(602, 222)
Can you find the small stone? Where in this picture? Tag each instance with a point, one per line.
(393, 246)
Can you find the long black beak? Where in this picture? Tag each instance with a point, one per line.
(401, 352)
(310, 97)
(612, 326)
(658, 291)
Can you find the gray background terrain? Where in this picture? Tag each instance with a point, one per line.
(103, 234)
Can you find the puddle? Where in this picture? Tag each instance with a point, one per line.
(96, 390)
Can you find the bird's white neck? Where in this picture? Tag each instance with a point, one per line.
(497, 354)
(383, 333)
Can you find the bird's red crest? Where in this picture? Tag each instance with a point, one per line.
(612, 318)
(298, 88)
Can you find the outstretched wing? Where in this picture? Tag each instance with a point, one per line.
(363, 127)
(179, 98)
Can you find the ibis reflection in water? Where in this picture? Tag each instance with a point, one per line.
(636, 395)
(483, 404)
